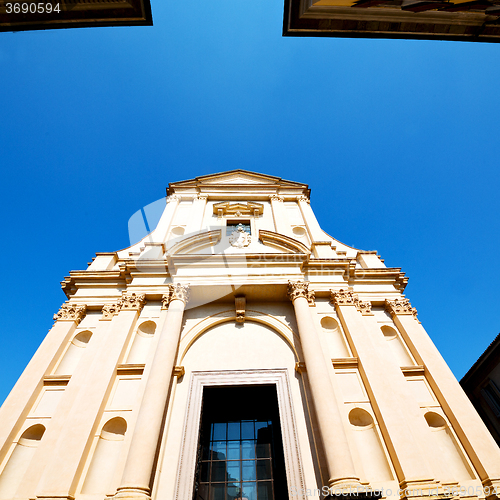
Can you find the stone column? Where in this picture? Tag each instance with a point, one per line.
(321, 245)
(398, 413)
(69, 436)
(135, 483)
(280, 219)
(340, 466)
(23, 395)
(475, 437)
(197, 212)
(165, 222)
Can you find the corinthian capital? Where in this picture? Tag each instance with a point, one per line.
(110, 310)
(176, 291)
(349, 298)
(173, 197)
(132, 301)
(400, 306)
(299, 289)
(276, 197)
(343, 297)
(71, 312)
(303, 198)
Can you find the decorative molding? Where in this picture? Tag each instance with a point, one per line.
(173, 197)
(132, 301)
(239, 237)
(201, 197)
(130, 369)
(298, 289)
(345, 362)
(109, 311)
(196, 242)
(276, 197)
(413, 370)
(311, 295)
(190, 435)
(300, 367)
(283, 242)
(165, 301)
(179, 371)
(228, 209)
(240, 306)
(61, 380)
(71, 312)
(176, 291)
(365, 308)
(303, 198)
(400, 307)
(343, 297)
(348, 298)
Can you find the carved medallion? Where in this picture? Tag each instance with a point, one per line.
(240, 238)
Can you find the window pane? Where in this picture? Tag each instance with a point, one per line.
(217, 492)
(233, 491)
(205, 470)
(248, 449)
(263, 451)
(265, 490)
(263, 469)
(247, 429)
(219, 450)
(203, 492)
(233, 430)
(218, 471)
(249, 491)
(248, 470)
(219, 432)
(233, 471)
(233, 450)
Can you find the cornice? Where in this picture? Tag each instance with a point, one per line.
(81, 279)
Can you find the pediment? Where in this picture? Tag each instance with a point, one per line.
(237, 177)
(228, 209)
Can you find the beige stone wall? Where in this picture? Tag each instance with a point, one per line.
(366, 400)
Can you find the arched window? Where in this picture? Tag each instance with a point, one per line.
(105, 459)
(74, 353)
(142, 341)
(17, 466)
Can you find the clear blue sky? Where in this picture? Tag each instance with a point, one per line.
(397, 139)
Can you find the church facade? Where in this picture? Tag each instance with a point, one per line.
(240, 352)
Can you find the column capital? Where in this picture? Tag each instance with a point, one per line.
(132, 301)
(347, 297)
(400, 307)
(176, 291)
(173, 197)
(110, 310)
(201, 197)
(303, 198)
(297, 289)
(276, 197)
(71, 312)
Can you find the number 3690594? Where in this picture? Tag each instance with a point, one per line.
(31, 7)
